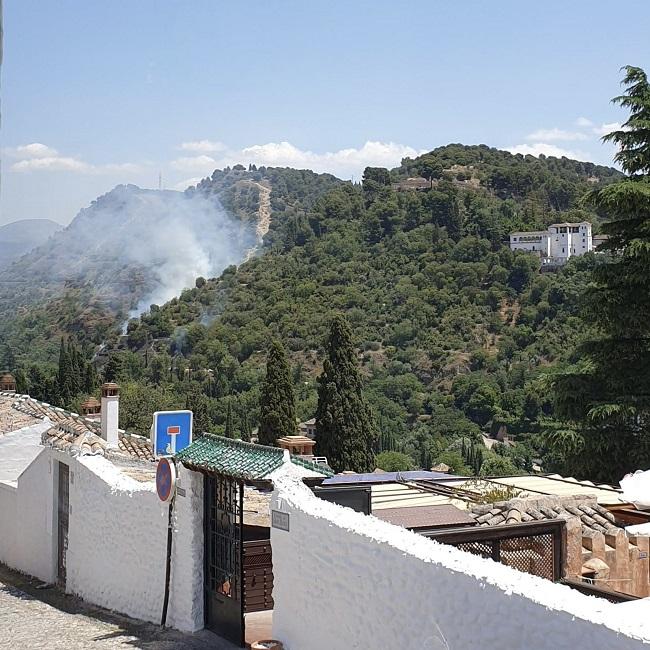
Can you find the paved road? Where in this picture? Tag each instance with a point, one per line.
(66, 623)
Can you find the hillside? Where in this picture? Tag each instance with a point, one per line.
(130, 248)
(453, 328)
(19, 237)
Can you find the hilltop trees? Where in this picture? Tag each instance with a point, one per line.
(345, 431)
(429, 168)
(277, 404)
(605, 399)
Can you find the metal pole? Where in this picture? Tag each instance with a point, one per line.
(168, 566)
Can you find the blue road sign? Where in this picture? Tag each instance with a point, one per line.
(172, 431)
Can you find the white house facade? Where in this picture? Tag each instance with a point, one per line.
(557, 244)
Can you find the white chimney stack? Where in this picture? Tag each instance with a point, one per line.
(110, 413)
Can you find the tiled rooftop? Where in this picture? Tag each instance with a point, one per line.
(11, 419)
(71, 433)
(237, 459)
(516, 511)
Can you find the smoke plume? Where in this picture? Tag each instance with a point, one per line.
(143, 246)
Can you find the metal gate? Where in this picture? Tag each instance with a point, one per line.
(258, 576)
(63, 518)
(224, 611)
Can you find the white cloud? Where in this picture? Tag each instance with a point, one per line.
(33, 150)
(198, 164)
(51, 163)
(606, 128)
(203, 146)
(584, 122)
(130, 168)
(343, 163)
(183, 185)
(39, 157)
(537, 148)
(552, 135)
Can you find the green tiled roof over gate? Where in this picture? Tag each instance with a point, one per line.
(237, 459)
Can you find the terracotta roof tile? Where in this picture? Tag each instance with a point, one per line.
(593, 517)
(72, 433)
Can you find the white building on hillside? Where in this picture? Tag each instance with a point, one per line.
(557, 244)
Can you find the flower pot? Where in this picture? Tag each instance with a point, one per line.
(268, 644)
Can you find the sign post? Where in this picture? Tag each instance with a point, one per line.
(172, 432)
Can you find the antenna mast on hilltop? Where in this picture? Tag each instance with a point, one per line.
(160, 180)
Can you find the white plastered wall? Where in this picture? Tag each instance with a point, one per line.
(343, 580)
(117, 537)
(186, 593)
(117, 540)
(117, 546)
(26, 518)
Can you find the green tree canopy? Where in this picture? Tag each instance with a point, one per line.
(345, 431)
(605, 398)
(277, 405)
(394, 461)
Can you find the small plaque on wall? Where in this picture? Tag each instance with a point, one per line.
(280, 520)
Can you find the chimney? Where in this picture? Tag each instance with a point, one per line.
(110, 413)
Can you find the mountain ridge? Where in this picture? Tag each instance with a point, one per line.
(20, 237)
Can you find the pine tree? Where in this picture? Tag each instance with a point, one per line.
(605, 399)
(345, 430)
(277, 405)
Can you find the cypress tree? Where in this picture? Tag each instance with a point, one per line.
(245, 427)
(63, 394)
(605, 399)
(75, 374)
(230, 425)
(277, 405)
(345, 430)
(90, 379)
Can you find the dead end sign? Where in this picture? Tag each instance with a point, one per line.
(280, 520)
(172, 432)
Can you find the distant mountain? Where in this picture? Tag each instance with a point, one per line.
(19, 237)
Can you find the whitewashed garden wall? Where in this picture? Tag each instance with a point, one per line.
(117, 538)
(343, 580)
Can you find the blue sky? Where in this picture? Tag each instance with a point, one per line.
(97, 93)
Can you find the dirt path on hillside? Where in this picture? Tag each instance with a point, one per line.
(263, 218)
(264, 212)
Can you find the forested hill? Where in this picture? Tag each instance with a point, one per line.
(452, 327)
